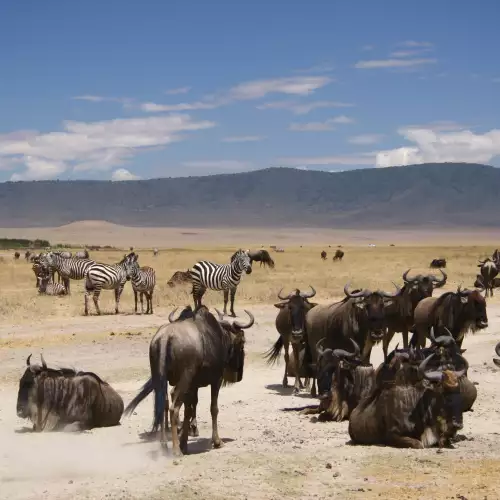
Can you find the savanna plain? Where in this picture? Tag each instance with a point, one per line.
(270, 451)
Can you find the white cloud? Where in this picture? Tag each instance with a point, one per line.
(393, 63)
(152, 107)
(243, 138)
(303, 108)
(325, 126)
(93, 145)
(122, 174)
(413, 43)
(179, 90)
(363, 159)
(407, 53)
(365, 139)
(431, 146)
(439, 126)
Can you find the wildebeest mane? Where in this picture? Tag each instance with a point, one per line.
(68, 373)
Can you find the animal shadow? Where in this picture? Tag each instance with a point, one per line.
(279, 390)
(203, 445)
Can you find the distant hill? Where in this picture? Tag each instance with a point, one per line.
(439, 195)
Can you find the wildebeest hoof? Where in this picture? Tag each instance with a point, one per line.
(233, 315)
(217, 444)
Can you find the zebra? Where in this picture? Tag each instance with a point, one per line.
(40, 269)
(143, 282)
(48, 287)
(220, 277)
(83, 254)
(108, 277)
(68, 268)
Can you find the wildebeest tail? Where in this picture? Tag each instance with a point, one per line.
(413, 340)
(273, 354)
(146, 389)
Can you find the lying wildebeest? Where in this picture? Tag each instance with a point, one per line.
(53, 398)
(261, 256)
(47, 287)
(323, 255)
(460, 312)
(488, 271)
(290, 323)
(360, 316)
(437, 263)
(179, 277)
(497, 352)
(192, 352)
(399, 315)
(339, 254)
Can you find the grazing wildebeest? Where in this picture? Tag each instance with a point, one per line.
(179, 277)
(27, 255)
(194, 351)
(399, 315)
(437, 263)
(290, 323)
(82, 254)
(323, 255)
(47, 287)
(17, 255)
(261, 256)
(52, 398)
(488, 271)
(405, 414)
(339, 255)
(359, 316)
(460, 312)
(497, 352)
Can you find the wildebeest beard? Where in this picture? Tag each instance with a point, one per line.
(233, 371)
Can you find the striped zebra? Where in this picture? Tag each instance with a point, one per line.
(143, 281)
(40, 270)
(68, 268)
(108, 277)
(220, 277)
(48, 287)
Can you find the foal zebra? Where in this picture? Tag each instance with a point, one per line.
(108, 277)
(68, 268)
(47, 287)
(143, 282)
(220, 277)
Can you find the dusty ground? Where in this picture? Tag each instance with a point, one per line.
(269, 452)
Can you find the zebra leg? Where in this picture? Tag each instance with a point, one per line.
(142, 302)
(66, 282)
(97, 292)
(149, 297)
(135, 299)
(233, 293)
(226, 298)
(118, 293)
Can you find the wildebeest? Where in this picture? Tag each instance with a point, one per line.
(459, 312)
(488, 271)
(179, 277)
(194, 351)
(339, 255)
(323, 255)
(497, 352)
(437, 263)
(155, 252)
(359, 316)
(27, 255)
(47, 287)
(399, 315)
(53, 398)
(261, 256)
(17, 255)
(496, 257)
(290, 323)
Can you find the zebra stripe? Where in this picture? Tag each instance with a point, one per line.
(47, 287)
(143, 282)
(41, 271)
(68, 268)
(108, 277)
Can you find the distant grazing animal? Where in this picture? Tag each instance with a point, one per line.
(17, 255)
(27, 255)
(143, 281)
(47, 287)
(179, 277)
(155, 252)
(82, 254)
(279, 250)
(323, 255)
(108, 277)
(497, 352)
(191, 352)
(220, 277)
(53, 398)
(290, 323)
(72, 268)
(261, 256)
(339, 255)
(437, 263)
(459, 312)
(489, 272)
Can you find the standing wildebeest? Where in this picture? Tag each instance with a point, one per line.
(488, 272)
(261, 256)
(399, 315)
(192, 352)
(17, 255)
(460, 312)
(437, 263)
(290, 323)
(359, 316)
(27, 255)
(323, 255)
(497, 352)
(52, 398)
(339, 255)
(179, 277)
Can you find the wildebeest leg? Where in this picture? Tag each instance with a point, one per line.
(233, 293)
(135, 300)
(367, 350)
(403, 442)
(214, 411)
(193, 425)
(178, 395)
(286, 345)
(188, 411)
(298, 384)
(389, 334)
(313, 388)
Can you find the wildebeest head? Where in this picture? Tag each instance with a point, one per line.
(422, 286)
(497, 352)
(297, 305)
(475, 307)
(186, 313)
(27, 384)
(373, 304)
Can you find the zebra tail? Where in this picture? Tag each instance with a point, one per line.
(146, 389)
(273, 354)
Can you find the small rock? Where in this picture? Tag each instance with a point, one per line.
(328, 465)
(336, 474)
(71, 482)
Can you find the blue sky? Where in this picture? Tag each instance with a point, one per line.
(124, 90)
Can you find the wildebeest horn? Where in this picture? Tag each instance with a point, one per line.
(171, 315)
(308, 295)
(353, 295)
(463, 371)
(442, 340)
(391, 295)
(44, 364)
(341, 353)
(405, 276)
(433, 376)
(280, 297)
(357, 350)
(29, 357)
(248, 325)
(221, 316)
(440, 281)
(497, 349)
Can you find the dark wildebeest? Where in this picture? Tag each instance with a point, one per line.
(53, 398)
(339, 255)
(399, 315)
(323, 255)
(178, 278)
(488, 271)
(194, 351)
(460, 312)
(497, 352)
(290, 323)
(479, 283)
(17, 255)
(360, 316)
(405, 414)
(437, 263)
(261, 256)
(496, 257)
(27, 255)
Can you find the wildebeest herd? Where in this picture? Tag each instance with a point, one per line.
(415, 398)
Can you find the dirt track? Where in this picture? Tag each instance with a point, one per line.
(268, 453)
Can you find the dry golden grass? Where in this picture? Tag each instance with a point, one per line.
(369, 267)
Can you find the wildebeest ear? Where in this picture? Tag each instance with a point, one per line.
(280, 305)
(313, 304)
